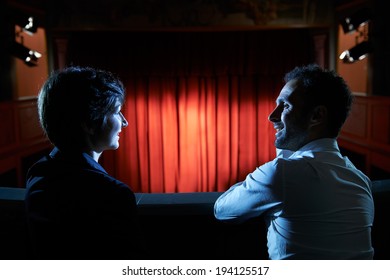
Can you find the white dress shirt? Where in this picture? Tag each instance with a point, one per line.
(316, 203)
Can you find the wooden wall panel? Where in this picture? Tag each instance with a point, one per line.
(366, 135)
(29, 128)
(356, 125)
(7, 125)
(380, 123)
(22, 139)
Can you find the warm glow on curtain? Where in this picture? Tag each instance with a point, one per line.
(193, 134)
(197, 104)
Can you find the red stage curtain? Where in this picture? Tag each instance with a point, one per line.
(197, 103)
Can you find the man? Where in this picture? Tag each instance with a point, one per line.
(316, 203)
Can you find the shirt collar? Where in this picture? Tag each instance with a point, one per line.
(319, 145)
(83, 159)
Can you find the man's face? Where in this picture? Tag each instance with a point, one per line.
(288, 118)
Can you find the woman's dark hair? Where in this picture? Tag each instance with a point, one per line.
(327, 88)
(75, 97)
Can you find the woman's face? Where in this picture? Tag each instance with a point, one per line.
(108, 136)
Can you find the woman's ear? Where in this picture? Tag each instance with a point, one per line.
(87, 129)
(319, 115)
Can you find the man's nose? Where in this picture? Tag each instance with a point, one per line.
(275, 114)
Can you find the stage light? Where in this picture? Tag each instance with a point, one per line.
(30, 57)
(352, 23)
(27, 23)
(356, 53)
(31, 25)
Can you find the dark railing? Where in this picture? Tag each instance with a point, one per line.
(182, 226)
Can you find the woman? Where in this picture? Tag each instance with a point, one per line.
(75, 210)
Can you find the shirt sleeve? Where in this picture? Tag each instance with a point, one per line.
(260, 191)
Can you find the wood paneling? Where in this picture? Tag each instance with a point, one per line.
(29, 127)
(381, 123)
(21, 138)
(7, 125)
(366, 133)
(356, 124)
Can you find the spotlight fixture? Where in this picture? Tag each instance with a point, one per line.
(352, 23)
(30, 57)
(27, 23)
(356, 53)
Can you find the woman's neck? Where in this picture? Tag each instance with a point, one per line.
(95, 155)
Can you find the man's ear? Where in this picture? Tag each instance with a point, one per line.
(319, 115)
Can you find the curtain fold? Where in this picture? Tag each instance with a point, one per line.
(194, 134)
(197, 103)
